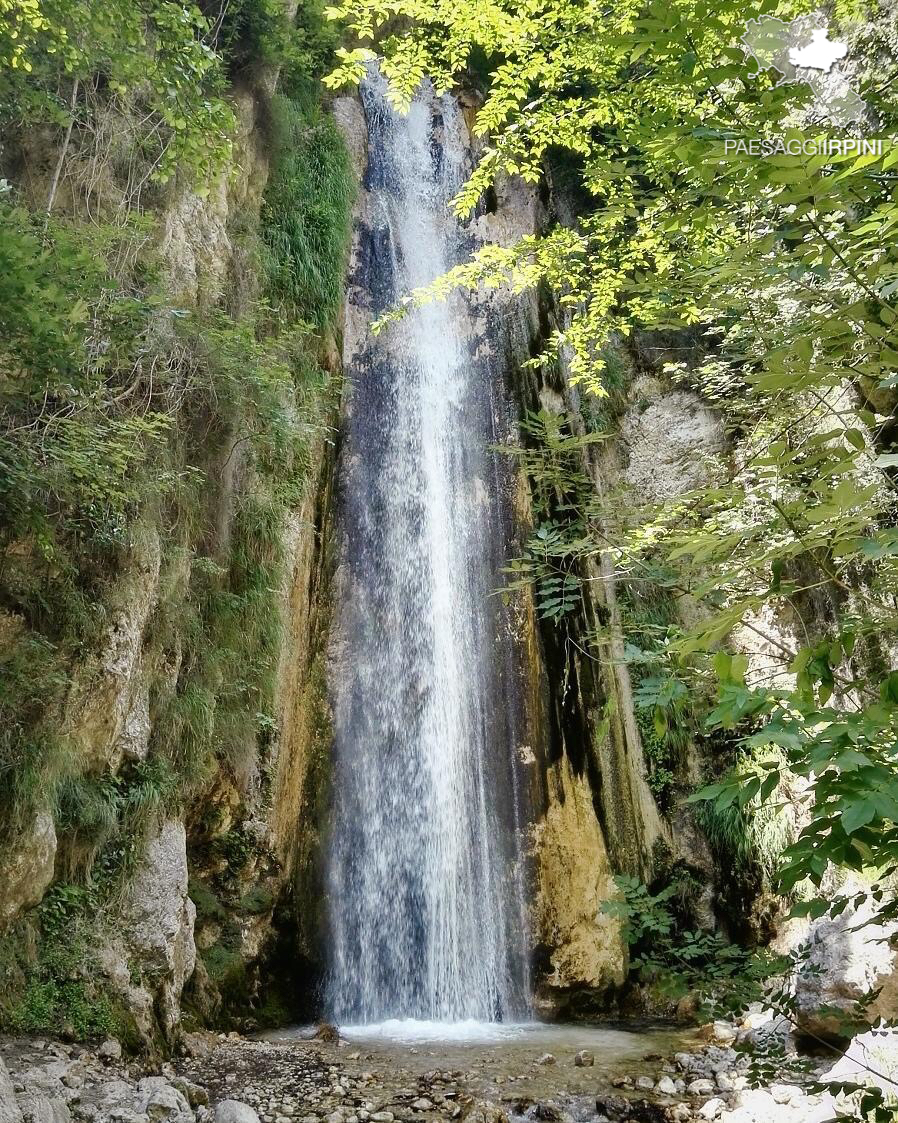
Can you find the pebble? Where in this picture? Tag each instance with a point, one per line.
(423, 1105)
(545, 1059)
(584, 1059)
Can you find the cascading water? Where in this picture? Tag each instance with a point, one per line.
(427, 916)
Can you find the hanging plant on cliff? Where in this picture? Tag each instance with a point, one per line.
(60, 60)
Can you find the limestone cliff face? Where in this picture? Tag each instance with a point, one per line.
(242, 842)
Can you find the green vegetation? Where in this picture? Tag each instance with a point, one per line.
(783, 264)
(153, 57)
(55, 986)
(756, 834)
(306, 216)
(131, 424)
(664, 710)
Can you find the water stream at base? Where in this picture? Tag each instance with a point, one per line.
(425, 891)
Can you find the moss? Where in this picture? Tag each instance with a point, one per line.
(256, 901)
(227, 970)
(208, 906)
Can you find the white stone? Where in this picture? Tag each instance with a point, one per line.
(700, 1087)
(672, 439)
(666, 1086)
(711, 1109)
(722, 1033)
(234, 1111)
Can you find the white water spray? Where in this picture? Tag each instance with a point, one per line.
(424, 879)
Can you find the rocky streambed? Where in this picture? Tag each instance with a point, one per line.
(232, 1079)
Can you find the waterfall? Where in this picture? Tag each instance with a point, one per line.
(426, 901)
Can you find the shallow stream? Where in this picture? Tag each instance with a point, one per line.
(501, 1062)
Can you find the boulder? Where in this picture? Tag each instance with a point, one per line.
(26, 867)
(157, 1099)
(233, 1111)
(847, 956)
(43, 1109)
(10, 1111)
(155, 935)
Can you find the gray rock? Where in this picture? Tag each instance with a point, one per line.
(195, 1095)
(848, 956)
(584, 1059)
(110, 1050)
(233, 1111)
(26, 867)
(43, 1109)
(423, 1104)
(688, 1062)
(722, 1033)
(666, 1086)
(482, 1112)
(10, 1112)
(671, 441)
(679, 1113)
(700, 1087)
(155, 933)
(159, 1100)
(645, 1083)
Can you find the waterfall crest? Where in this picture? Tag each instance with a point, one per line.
(426, 902)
